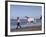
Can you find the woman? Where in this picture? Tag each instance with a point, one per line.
(18, 23)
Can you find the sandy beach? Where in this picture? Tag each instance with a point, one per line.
(34, 28)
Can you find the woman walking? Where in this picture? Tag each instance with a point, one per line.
(18, 23)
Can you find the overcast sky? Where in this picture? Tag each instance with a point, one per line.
(22, 11)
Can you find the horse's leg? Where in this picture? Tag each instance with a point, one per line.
(27, 22)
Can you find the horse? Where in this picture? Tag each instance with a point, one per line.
(30, 20)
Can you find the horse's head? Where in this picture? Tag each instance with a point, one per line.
(26, 17)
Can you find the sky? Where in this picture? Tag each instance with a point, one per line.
(23, 10)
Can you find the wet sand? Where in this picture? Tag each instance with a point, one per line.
(33, 28)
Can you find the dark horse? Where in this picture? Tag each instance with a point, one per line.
(40, 17)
